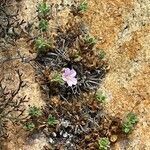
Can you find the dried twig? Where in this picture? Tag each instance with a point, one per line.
(10, 105)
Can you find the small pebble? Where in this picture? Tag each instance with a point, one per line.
(61, 132)
(113, 138)
(65, 123)
(65, 135)
(51, 140)
(54, 134)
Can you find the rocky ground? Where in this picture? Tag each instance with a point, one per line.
(123, 30)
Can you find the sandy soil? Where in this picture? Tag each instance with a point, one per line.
(123, 30)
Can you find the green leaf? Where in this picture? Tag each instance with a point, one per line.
(57, 78)
(29, 126)
(104, 143)
(52, 121)
(83, 6)
(43, 9)
(132, 118)
(90, 40)
(101, 97)
(43, 25)
(101, 54)
(129, 123)
(34, 111)
(41, 45)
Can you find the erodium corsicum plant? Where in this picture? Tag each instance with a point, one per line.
(43, 25)
(83, 6)
(35, 111)
(91, 41)
(100, 96)
(29, 126)
(102, 54)
(43, 10)
(41, 45)
(70, 63)
(129, 122)
(52, 121)
(69, 71)
(80, 8)
(104, 143)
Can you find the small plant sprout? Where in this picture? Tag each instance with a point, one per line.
(29, 126)
(90, 40)
(77, 57)
(52, 121)
(83, 6)
(43, 25)
(129, 123)
(35, 112)
(43, 9)
(104, 143)
(101, 54)
(100, 97)
(41, 45)
(69, 76)
(57, 78)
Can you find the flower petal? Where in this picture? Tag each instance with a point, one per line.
(72, 73)
(74, 81)
(69, 82)
(67, 71)
(64, 77)
(69, 76)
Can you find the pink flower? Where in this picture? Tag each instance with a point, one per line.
(69, 76)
